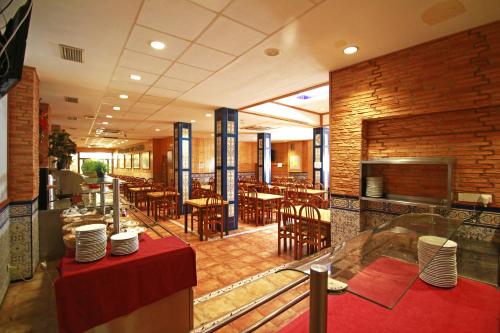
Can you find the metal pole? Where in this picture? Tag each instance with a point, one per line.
(116, 205)
(103, 206)
(318, 299)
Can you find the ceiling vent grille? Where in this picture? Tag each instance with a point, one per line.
(69, 99)
(88, 117)
(72, 118)
(257, 128)
(71, 53)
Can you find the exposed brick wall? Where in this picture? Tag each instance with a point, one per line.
(470, 136)
(44, 139)
(23, 168)
(454, 73)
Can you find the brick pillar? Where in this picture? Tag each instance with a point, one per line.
(23, 173)
(44, 155)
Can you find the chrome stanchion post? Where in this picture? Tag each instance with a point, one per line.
(116, 205)
(318, 299)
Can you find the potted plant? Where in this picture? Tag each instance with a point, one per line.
(94, 168)
(61, 147)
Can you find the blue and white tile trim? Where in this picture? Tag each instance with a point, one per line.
(4, 251)
(24, 239)
(349, 217)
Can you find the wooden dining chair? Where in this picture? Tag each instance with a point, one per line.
(309, 231)
(252, 208)
(287, 225)
(318, 201)
(197, 193)
(214, 216)
(167, 206)
(241, 204)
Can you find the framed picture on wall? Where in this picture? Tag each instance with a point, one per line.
(121, 161)
(145, 159)
(136, 161)
(128, 161)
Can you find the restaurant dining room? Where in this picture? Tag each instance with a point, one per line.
(199, 166)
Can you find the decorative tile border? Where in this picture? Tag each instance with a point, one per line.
(4, 251)
(24, 239)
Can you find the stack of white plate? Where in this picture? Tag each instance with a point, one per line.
(90, 242)
(374, 187)
(124, 243)
(437, 260)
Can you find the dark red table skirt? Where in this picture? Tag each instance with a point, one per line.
(469, 307)
(90, 294)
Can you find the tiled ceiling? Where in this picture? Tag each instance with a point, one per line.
(214, 56)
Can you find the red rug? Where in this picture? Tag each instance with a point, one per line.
(469, 307)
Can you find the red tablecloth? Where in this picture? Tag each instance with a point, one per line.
(90, 294)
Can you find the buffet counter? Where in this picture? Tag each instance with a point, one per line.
(147, 291)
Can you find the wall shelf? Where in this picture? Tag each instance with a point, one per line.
(365, 171)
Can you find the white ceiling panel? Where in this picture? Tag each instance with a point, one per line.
(155, 100)
(177, 17)
(144, 108)
(126, 87)
(141, 37)
(173, 84)
(203, 57)
(216, 5)
(160, 92)
(266, 15)
(187, 73)
(231, 37)
(143, 62)
(122, 74)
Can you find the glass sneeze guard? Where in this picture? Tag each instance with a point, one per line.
(381, 264)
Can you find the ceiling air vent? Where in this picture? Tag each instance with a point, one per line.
(69, 99)
(72, 118)
(88, 117)
(71, 53)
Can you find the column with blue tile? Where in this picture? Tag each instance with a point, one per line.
(264, 157)
(321, 156)
(182, 162)
(226, 162)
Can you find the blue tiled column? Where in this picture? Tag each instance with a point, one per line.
(182, 162)
(321, 156)
(226, 162)
(264, 157)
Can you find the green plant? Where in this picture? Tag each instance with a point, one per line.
(61, 147)
(93, 166)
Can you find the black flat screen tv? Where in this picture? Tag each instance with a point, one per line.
(12, 58)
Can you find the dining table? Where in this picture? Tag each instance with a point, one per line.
(201, 205)
(153, 197)
(325, 216)
(134, 191)
(266, 200)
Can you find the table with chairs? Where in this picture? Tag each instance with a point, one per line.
(304, 226)
(210, 215)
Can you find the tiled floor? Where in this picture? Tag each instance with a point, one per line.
(30, 306)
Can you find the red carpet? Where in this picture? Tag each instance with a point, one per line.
(469, 307)
(384, 281)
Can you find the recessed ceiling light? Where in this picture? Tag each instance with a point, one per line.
(351, 50)
(208, 115)
(193, 121)
(104, 123)
(116, 108)
(135, 77)
(123, 96)
(109, 116)
(157, 129)
(272, 52)
(157, 45)
(126, 140)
